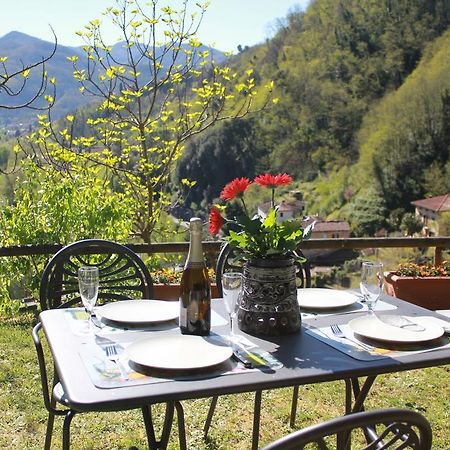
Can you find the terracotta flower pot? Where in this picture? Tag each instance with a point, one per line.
(428, 292)
(172, 291)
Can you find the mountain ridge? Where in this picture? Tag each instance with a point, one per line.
(22, 49)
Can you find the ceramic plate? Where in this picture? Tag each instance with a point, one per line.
(320, 298)
(139, 311)
(178, 352)
(396, 329)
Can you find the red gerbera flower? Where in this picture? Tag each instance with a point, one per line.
(216, 221)
(235, 188)
(272, 181)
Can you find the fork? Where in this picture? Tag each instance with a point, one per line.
(339, 333)
(112, 354)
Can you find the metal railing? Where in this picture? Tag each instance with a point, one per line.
(213, 247)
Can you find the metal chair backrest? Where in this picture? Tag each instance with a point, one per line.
(383, 429)
(123, 274)
(231, 260)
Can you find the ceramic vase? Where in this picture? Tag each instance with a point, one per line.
(268, 303)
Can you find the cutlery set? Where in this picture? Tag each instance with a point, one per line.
(112, 354)
(340, 334)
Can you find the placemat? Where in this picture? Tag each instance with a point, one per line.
(77, 317)
(352, 349)
(106, 374)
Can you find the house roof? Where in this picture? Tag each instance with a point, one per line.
(332, 225)
(322, 225)
(436, 204)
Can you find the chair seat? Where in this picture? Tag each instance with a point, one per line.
(59, 395)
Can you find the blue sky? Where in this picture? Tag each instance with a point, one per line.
(227, 23)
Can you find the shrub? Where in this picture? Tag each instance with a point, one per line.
(424, 270)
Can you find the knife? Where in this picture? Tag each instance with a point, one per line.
(241, 358)
(250, 356)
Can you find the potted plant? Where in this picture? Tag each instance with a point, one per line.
(166, 283)
(268, 304)
(422, 284)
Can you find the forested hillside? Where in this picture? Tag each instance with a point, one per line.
(345, 73)
(404, 140)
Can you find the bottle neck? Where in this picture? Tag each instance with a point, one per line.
(195, 255)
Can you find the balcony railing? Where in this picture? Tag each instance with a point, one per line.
(213, 247)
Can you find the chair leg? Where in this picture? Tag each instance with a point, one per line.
(149, 429)
(348, 396)
(294, 406)
(49, 432)
(181, 426)
(66, 429)
(212, 408)
(256, 420)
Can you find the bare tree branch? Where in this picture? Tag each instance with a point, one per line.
(8, 79)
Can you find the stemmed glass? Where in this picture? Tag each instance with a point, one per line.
(231, 287)
(88, 283)
(371, 283)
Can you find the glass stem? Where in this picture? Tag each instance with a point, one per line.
(89, 320)
(232, 331)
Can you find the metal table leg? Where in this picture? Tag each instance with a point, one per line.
(361, 393)
(294, 406)
(212, 408)
(153, 444)
(256, 420)
(149, 429)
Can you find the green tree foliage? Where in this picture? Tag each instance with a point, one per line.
(437, 179)
(50, 207)
(332, 62)
(159, 91)
(444, 223)
(405, 139)
(410, 224)
(368, 213)
(229, 151)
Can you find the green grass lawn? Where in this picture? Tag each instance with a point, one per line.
(23, 415)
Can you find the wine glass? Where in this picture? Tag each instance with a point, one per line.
(88, 283)
(371, 283)
(231, 287)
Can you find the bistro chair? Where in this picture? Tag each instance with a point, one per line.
(231, 260)
(382, 429)
(123, 275)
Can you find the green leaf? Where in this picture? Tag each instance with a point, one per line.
(271, 220)
(250, 226)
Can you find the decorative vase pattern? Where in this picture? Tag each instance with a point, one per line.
(268, 303)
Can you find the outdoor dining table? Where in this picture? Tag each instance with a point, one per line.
(304, 358)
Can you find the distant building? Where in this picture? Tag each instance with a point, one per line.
(286, 210)
(429, 210)
(327, 229)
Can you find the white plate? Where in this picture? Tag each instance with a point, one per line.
(321, 298)
(140, 311)
(396, 329)
(178, 352)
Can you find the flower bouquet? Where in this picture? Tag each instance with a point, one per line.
(259, 237)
